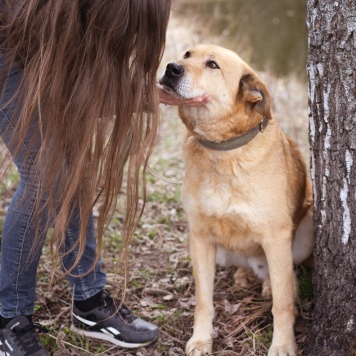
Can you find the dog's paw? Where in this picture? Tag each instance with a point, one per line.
(283, 350)
(266, 289)
(199, 347)
(243, 278)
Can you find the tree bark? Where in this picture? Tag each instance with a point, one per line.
(332, 114)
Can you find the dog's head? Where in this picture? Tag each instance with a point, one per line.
(239, 99)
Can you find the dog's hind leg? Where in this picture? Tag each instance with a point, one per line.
(243, 277)
(303, 241)
(259, 266)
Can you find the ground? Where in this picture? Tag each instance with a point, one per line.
(160, 284)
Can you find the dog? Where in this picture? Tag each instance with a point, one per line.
(245, 191)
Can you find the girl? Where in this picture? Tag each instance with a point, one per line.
(79, 102)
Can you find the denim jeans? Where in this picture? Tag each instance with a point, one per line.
(19, 261)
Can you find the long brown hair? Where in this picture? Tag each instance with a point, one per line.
(89, 73)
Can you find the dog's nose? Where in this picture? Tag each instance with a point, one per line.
(174, 70)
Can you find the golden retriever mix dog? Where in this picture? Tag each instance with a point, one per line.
(246, 193)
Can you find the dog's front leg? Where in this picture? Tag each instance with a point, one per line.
(279, 256)
(203, 253)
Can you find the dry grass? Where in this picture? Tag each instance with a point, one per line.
(161, 287)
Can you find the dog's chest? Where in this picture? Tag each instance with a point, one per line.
(223, 198)
(225, 212)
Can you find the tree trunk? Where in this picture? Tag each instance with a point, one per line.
(332, 114)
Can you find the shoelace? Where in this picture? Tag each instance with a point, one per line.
(124, 311)
(27, 337)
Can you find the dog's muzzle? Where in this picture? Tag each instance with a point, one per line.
(173, 73)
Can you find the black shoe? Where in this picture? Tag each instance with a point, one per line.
(119, 327)
(19, 338)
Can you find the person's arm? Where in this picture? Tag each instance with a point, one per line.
(168, 99)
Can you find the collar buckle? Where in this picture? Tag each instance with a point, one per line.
(263, 124)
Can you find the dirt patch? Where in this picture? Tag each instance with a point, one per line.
(161, 290)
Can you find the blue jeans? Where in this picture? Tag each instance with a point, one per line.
(19, 261)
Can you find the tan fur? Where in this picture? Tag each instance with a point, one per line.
(244, 206)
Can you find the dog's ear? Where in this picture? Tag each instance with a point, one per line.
(253, 92)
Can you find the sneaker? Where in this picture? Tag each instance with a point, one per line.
(19, 338)
(119, 327)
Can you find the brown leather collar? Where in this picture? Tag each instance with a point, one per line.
(238, 141)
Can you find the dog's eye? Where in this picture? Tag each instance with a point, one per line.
(187, 55)
(212, 65)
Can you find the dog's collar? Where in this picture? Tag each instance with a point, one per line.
(238, 141)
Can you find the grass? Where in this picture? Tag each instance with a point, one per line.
(305, 282)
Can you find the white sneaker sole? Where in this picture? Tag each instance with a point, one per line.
(110, 338)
